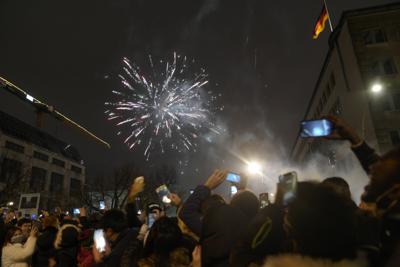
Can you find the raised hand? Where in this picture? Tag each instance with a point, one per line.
(342, 131)
(217, 178)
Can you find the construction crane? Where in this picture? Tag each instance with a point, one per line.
(42, 109)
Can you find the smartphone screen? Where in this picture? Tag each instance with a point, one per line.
(233, 177)
(233, 190)
(316, 128)
(264, 200)
(102, 205)
(164, 193)
(77, 212)
(288, 182)
(150, 220)
(99, 240)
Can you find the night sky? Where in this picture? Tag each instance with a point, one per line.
(259, 55)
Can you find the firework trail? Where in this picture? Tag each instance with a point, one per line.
(167, 109)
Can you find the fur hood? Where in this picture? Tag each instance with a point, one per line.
(67, 236)
(293, 260)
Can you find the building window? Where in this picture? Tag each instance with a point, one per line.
(332, 80)
(374, 36)
(11, 170)
(337, 108)
(395, 137)
(76, 169)
(383, 67)
(15, 147)
(58, 162)
(56, 185)
(38, 179)
(389, 67)
(324, 98)
(75, 187)
(40, 156)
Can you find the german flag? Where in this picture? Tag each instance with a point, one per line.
(320, 25)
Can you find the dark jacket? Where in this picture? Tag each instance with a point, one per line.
(190, 213)
(123, 250)
(67, 246)
(45, 247)
(222, 227)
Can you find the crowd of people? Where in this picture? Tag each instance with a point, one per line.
(317, 225)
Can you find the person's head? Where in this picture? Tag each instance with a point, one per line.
(67, 237)
(163, 238)
(383, 175)
(13, 235)
(50, 221)
(321, 223)
(246, 202)
(113, 222)
(156, 211)
(26, 225)
(339, 185)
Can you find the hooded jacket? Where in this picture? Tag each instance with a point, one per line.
(67, 245)
(18, 255)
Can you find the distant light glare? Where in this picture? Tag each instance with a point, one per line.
(29, 97)
(377, 88)
(10, 203)
(254, 167)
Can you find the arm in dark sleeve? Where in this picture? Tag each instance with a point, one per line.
(84, 222)
(366, 155)
(131, 214)
(190, 213)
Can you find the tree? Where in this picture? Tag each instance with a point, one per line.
(14, 179)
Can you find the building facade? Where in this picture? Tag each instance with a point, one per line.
(363, 57)
(32, 161)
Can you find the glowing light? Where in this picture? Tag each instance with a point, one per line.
(377, 88)
(254, 167)
(10, 203)
(165, 108)
(29, 97)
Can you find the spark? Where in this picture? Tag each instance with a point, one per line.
(166, 108)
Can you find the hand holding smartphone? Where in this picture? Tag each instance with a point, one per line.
(164, 194)
(288, 186)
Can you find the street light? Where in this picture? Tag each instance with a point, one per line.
(254, 167)
(10, 203)
(376, 88)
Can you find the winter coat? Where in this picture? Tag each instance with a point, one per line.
(222, 227)
(67, 245)
(18, 255)
(294, 260)
(179, 257)
(45, 247)
(190, 213)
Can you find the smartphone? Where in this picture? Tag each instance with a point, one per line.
(316, 128)
(150, 219)
(233, 190)
(191, 191)
(288, 183)
(102, 205)
(33, 216)
(76, 212)
(99, 240)
(233, 177)
(264, 200)
(164, 194)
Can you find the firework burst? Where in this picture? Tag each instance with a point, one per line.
(167, 109)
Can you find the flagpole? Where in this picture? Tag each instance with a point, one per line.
(329, 16)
